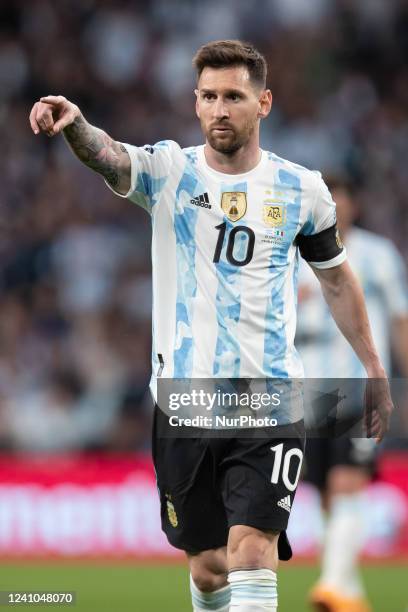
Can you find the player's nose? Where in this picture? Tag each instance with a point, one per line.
(220, 109)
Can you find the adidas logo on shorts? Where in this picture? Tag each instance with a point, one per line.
(201, 200)
(285, 503)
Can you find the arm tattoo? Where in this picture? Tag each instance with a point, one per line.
(97, 150)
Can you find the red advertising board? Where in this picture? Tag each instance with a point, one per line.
(74, 506)
(107, 506)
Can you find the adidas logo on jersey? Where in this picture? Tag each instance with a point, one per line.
(201, 200)
(285, 503)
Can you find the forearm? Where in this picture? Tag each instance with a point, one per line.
(99, 152)
(345, 299)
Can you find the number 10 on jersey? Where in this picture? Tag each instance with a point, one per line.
(232, 236)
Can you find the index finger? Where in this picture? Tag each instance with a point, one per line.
(384, 427)
(52, 99)
(33, 122)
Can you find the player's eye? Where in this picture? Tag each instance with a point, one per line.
(234, 97)
(208, 96)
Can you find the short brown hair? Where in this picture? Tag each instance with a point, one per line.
(226, 53)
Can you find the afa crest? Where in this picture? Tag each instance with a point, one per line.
(171, 512)
(234, 204)
(274, 215)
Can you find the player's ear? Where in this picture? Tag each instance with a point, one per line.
(265, 103)
(197, 106)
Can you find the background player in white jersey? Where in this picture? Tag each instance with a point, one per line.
(228, 222)
(341, 468)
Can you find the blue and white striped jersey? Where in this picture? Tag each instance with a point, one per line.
(380, 269)
(225, 260)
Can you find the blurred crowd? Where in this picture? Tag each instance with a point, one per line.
(75, 290)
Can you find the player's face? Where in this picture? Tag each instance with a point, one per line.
(229, 107)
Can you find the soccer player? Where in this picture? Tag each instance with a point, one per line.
(341, 467)
(228, 221)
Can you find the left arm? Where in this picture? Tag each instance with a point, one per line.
(345, 299)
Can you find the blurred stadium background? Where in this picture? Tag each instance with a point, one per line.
(76, 483)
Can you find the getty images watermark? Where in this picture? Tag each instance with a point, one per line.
(223, 407)
(209, 401)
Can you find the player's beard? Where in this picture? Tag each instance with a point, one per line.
(230, 142)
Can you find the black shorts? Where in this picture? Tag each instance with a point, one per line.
(322, 454)
(207, 485)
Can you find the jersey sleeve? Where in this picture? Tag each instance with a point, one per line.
(150, 168)
(319, 240)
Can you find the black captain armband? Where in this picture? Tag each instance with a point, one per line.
(320, 247)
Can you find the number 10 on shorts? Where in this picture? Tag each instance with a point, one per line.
(287, 458)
